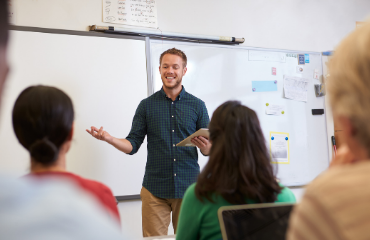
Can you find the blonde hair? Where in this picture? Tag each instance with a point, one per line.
(349, 81)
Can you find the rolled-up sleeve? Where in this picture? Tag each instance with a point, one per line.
(138, 128)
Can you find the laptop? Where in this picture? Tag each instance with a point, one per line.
(255, 221)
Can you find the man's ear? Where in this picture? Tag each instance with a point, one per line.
(70, 135)
(346, 126)
(185, 70)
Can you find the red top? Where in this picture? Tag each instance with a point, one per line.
(99, 190)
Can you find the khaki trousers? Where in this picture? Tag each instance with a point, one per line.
(156, 213)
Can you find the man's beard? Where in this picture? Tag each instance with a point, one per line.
(178, 82)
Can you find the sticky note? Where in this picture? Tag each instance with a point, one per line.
(273, 71)
(301, 60)
(307, 58)
(316, 74)
(264, 86)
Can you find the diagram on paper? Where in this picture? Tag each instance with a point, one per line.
(142, 13)
(279, 147)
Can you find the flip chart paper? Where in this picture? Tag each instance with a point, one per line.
(131, 12)
(279, 147)
(295, 88)
(264, 86)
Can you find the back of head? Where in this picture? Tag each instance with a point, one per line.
(349, 82)
(239, 164)
(42, 121)
(4, 23)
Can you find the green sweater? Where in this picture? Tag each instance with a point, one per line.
(199, 220)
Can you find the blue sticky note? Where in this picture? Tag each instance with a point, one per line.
(264, 86)
(307, 58)
(301, 59)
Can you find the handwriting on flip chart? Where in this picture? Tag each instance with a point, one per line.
(141, 13)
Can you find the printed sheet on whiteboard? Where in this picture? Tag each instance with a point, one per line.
(279, 147)
(141, 13)
(295, 88)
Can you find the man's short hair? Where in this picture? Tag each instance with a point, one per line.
(4, 22)
(176, 52)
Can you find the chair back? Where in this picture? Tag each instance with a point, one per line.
(255, 221)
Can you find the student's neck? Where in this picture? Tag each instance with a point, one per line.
(58, 166)
(172, 93)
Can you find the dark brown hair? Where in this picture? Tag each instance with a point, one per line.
(4, 22)
(239, 165)
(42, 121)
(176, 52)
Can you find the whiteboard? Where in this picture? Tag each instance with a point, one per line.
(106, 80)
(217, 73)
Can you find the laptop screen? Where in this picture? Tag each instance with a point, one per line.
(261, 221)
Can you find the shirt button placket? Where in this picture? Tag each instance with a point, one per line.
(173, 124)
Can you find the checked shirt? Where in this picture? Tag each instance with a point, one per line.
(169, 170)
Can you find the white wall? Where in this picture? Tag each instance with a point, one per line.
(315, 25)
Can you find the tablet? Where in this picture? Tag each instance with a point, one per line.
(204, 132)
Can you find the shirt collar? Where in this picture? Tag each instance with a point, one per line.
(181, 95)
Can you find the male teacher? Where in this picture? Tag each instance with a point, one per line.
(166, 117)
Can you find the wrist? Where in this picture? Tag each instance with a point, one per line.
(110, 140)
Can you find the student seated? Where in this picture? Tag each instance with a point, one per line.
(336, 205)
(43, 123)
(238, 172)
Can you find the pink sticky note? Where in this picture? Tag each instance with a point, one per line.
(316, 74)
(273, 71)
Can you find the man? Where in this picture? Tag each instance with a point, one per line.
(51, 209)
(166, 117)
(336, 205)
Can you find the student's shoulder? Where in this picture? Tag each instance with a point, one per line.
(340, 179)
(92, 184)
(190, 191)
(286, 195)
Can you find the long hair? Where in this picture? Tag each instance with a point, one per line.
(42, 121)
(239, 165)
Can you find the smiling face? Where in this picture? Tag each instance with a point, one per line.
(172, 70)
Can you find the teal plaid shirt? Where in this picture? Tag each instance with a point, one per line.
(169, 170)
